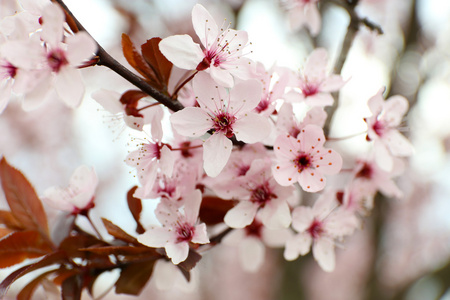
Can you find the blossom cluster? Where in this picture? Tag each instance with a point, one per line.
(240, 137)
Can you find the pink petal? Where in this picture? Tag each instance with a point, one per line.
(313, 21)
(327, 161)
(311, 138)
(316, 116)
(178, 252)
(204, 25)
(167, 161)
(241, 215)
(311, 181)
(200, 236)
(242, 68)
(191, 121)
(316, 65)
(294, 97)
(252, 128)
(251, 253)
(297, 245)
(192, 206)
(398, 144)
(375, 103)
(323, 251)
(245, 96)
(332, 84)
(383, 157)
(216, 152)
(302, 217)
(285, 173)
(208, 94)
(80, 47)
(109, 100)
(39, 95)
(221, 76)
(276, 214)
(69, 86)
(394, 109)
(182, 51)
(319, 99)
(5, 94)
(52, 28)
(154, 237)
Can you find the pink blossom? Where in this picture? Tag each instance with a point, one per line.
(383, 129)
(304, 13)
(259, 193)
(78, 197)
(226, 114)
(110, 101)
(318, 227)
(314, 82)
(220, 54)
(304, 159)
(178, 229)
(252, 241)
(287, 121)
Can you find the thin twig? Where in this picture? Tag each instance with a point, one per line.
(108, 61)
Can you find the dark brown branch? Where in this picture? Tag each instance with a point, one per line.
(104, 59)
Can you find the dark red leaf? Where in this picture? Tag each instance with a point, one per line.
(132, 96)
(118, 232)
(134, 277)
(213, 209)
(27, 291)
(71, 288)
(5, 231)
(157, 61)
(72, 244)
(136, 60)
(22, 199)
(8, 219)
(50, 259)
(190, 262)
(18, 246)
(135, 207)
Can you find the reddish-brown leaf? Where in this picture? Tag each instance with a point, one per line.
(18, 246)
(5, 231)
(132, 96)
(122, 250)
(190, 262)
(136, 60)
(71, 288)
(135, 206)
(134, 277)
(22, 199)
(157, 61)
(213, 209)
(118, 232)
(8, 219)
(27, 291)
(53, 258)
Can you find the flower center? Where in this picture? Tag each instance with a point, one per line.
(56, 59)
(379, 128)
(262, 194)
(366, 172)
(262, 106)
(309, 89)
(316, 229)
(185, 232)
(223, 122)
(7, 70)
(302, 162)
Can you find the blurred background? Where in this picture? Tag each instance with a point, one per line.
(403, 251)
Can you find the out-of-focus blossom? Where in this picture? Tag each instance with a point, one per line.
(303, 13)
(78, 197)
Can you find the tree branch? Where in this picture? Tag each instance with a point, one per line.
(104, 59)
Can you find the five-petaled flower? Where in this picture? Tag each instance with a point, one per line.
(226, 114)
(304, 159)
(221, 52)
(178, 229)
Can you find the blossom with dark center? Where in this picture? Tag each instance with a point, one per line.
(304, 159)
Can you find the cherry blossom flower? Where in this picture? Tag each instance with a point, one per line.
(260, 193)
(78, 197)
(314, 83)
(220, 54)
(383, 129)
(252, 241)
(178, 229)
(58, 60)
(318, 227)
(304, 159)
(226, 114)
(287, 121)
(304, 13)
(110, 101)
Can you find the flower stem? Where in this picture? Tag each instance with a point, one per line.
(175, 94)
